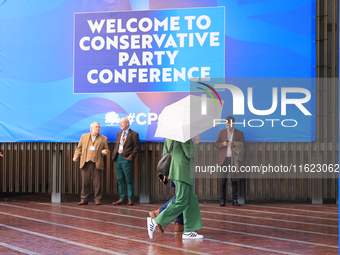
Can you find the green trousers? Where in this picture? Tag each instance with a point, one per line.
(125, 170)
(186, 202)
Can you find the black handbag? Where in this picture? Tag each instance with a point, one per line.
(163, 166)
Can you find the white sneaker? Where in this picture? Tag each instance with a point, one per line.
(191, 235)
(152, 225)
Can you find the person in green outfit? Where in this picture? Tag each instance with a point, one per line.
(186, 200)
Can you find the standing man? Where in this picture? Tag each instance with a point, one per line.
(92, 148)
(126, 149)
(224, 141)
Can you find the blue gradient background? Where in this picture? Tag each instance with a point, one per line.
(270, 38)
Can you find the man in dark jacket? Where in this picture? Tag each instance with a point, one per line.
(224, 141)
(126, 149)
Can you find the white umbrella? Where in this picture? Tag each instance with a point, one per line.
(183, 119)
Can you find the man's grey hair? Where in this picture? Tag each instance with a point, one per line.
(93, 124)
(126, 120)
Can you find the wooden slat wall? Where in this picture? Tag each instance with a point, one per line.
(27, 168)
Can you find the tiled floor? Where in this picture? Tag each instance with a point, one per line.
(66, 228)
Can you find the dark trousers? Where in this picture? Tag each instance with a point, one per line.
(89, 170)
(223, 184)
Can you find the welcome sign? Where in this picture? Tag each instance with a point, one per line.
(147, 51)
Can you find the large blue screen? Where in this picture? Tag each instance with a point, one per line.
(44, 73)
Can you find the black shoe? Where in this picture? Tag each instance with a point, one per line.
(222, 202)
(236, 203)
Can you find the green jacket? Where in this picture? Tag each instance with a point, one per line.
(180, 159)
